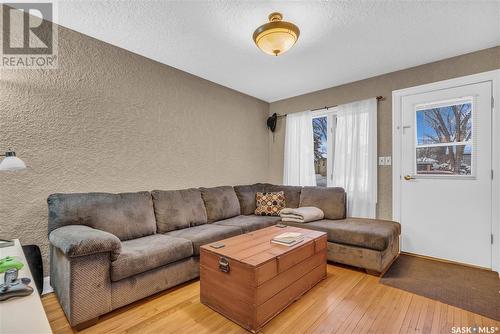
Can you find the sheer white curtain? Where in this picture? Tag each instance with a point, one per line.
(355, 156)
(299, 150)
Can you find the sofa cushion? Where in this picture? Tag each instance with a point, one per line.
(330, 200)
(246, 196)
(205, 234)
(220, 202)
(249, 223)
(269, 204)
(146, 253)
(126, 215)
(292, 193)
(373, 234)
(177, 209)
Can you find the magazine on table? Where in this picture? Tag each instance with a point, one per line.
(288, 238)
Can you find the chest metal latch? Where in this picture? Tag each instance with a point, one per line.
(224, 265)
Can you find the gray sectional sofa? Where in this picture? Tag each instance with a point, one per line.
(109, 250)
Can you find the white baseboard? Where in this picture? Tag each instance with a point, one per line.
(46, 286)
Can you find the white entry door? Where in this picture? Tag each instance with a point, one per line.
(446, 174)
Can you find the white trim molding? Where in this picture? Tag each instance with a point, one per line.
(47, 288)
(397, 96)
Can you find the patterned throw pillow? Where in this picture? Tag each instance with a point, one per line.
(269, 204)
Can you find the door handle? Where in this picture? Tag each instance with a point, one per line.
(408, 177)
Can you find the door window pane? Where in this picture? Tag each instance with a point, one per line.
(444, 139)
(452, 123)
(444, 160)
(320, 132)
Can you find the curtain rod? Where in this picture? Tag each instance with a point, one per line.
(379, 98)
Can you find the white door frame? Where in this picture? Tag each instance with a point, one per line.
(397, 96)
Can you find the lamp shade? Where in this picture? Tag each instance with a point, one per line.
(277, 36)
(11, 162)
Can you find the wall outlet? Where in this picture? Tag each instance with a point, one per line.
(381, 161)
(388, 160)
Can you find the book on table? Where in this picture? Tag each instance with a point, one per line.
(288, 238)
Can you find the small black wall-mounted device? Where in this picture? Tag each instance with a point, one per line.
(271, 122)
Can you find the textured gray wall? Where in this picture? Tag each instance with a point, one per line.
(481, 61)
(110, 120)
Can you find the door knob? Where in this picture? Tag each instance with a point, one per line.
(409, 177)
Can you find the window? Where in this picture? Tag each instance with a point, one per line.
(320, 133)
(444, 138)
(323, 124)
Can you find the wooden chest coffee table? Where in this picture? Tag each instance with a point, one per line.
(250, 280)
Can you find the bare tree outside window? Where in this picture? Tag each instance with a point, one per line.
(444, 140)
(320, 132)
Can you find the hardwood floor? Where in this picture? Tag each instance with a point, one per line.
(347, 301)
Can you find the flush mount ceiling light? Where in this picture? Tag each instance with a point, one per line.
(277, 36)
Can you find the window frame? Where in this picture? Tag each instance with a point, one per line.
(471, 142)
(331, 115)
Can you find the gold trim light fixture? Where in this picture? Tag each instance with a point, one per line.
(277, 36)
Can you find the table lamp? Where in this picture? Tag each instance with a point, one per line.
(11, 162)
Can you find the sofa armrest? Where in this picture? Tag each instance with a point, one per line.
(81, 240)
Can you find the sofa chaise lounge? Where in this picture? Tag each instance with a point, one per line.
(109, 250)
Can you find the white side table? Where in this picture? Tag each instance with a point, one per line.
(22, 314)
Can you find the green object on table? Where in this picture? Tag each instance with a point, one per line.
(10, 262)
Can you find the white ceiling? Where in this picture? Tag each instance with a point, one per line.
(340, 41)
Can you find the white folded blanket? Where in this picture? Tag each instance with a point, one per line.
(304, 214)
